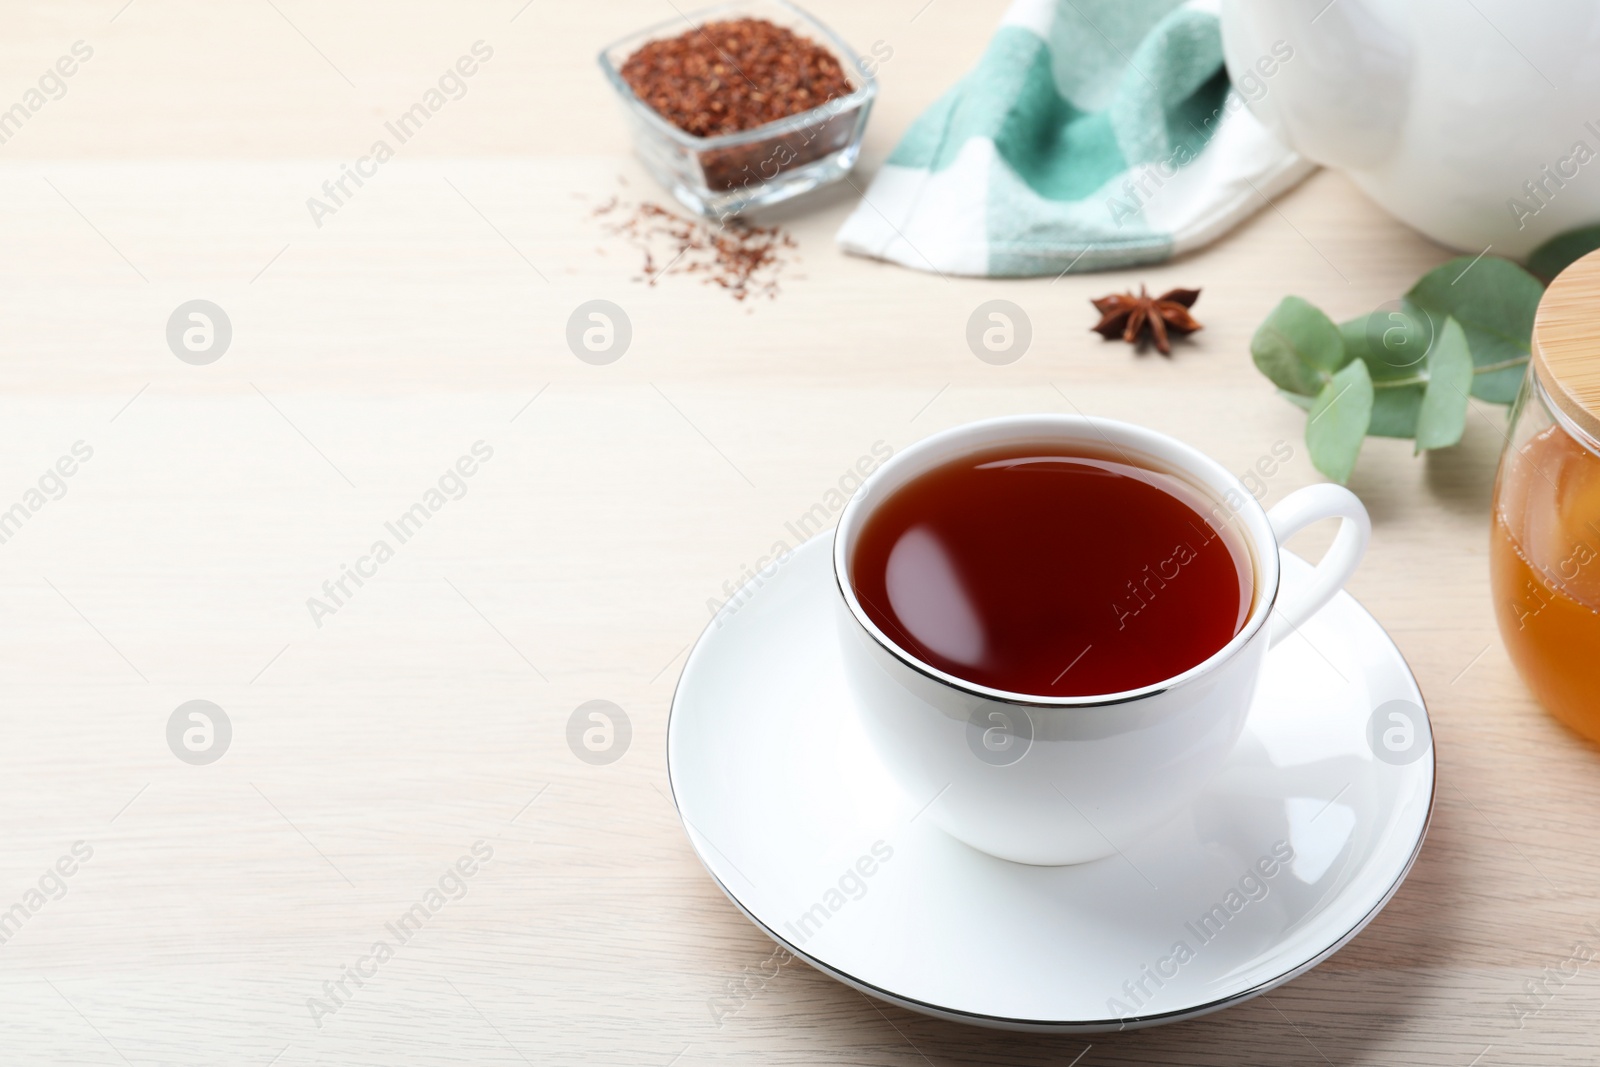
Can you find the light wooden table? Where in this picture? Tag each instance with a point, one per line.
(430, 711)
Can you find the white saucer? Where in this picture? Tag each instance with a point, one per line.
(789, 810)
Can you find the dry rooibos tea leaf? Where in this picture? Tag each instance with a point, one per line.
(742, 259)
(724, 77)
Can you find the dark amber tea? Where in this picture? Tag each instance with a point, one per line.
(1050, 570)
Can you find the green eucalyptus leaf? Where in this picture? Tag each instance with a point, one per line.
(1303, 402)
(1501, 386)
(1298, 347)
(1392, 341)
(1339, 421)
(1494, 300)
(1443, 416)
(1395, 411)
(1563, 250)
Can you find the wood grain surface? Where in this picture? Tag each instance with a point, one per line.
(1564, 343)
(429, 711)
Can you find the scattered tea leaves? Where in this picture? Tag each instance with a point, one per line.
(745, 261)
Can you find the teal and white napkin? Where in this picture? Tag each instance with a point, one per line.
(1092, 135)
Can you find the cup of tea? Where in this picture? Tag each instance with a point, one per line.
(1055, 624)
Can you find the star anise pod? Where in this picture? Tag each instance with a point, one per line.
(1127, 316)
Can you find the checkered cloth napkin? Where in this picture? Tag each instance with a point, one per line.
(1092, 135)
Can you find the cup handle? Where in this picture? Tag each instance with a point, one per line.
(1293, 514)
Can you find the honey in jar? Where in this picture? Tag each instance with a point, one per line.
(1545, 539)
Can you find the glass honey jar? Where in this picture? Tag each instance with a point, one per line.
(1544, 557)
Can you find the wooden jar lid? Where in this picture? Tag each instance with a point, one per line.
(1566, 343)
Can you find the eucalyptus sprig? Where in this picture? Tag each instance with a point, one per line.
(1407, 369)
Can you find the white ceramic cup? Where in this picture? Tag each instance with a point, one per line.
(1057, 780)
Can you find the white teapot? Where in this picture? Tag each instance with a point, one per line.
(1474, 121)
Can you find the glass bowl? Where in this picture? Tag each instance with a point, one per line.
(722, 176)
